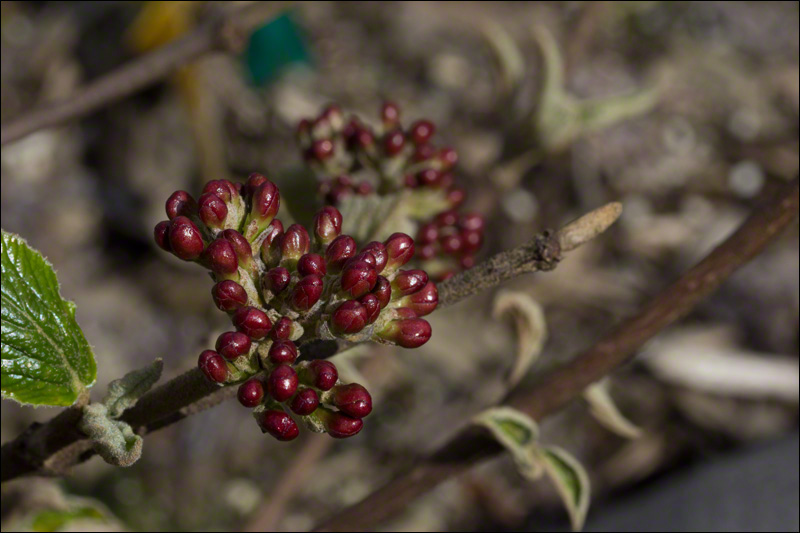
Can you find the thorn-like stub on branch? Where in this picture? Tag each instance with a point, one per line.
(588, 226)
(547, 250)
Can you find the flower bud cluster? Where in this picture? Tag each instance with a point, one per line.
(283, 287)
(449, 241)
(350, 157)
(339, 147)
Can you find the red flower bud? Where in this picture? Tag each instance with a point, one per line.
(383, 291)
(408, 282)
(466, 262)
(180, 203)
(322, 149)
(429, 177)
(277, 279)
(447, 158)
(352, 400)
(252, 322)
(305, 402)
(423, 152)
(213, 366)
(282, 352)
(212, 210)
(456, 196)
(266, 202)
(349, 317)
(364, 188)
(372, 305)
(282, 383)
(254, 181)
(250, 393)
(390, 114)
(220, 257)
(421, 131)
(364, 139)
(424, 301)
(307, 292)
(408, 333)
(426, 251)
(428, 233)
(446, 219)
(399, 249)
(271, 246)
(358, 278)
(320, 374)
(393, 142)
(339, 251)
(229, 295)
(185, 239)
(472, 221)
(233, 344)
(281, 330)
(294, 243)
(222, 188)
(278, 424)
(471, 240)
(244, 252)
(327, 224)
(452, 244)
(378, 251)
(339, 425)
(311, 264)
(161, 235)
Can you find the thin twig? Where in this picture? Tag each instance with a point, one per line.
(42, 450)
(566, 383)
(223, 33)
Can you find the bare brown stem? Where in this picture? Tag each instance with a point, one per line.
(568, 382)
(223, 33)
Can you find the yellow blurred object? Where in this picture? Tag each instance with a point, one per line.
(161, 22)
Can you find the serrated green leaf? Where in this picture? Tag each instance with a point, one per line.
(45, 357)
(570, 479)
(517, 432)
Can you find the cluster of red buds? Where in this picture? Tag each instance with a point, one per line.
(283, 288)
(448, 242)
(349, 157)
(388, 158)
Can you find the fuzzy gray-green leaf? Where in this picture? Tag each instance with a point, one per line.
(45, 357)
(125, 392)
(113, 440)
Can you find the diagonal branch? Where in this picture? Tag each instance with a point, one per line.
(223, 33)
(568, 382)
(52, 448)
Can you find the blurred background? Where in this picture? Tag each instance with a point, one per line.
(684, 111)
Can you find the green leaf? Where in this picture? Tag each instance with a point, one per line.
(113, 440)
(52, 520)
(517, 432)
(125, 392)
(570, 479)
(45, 357)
